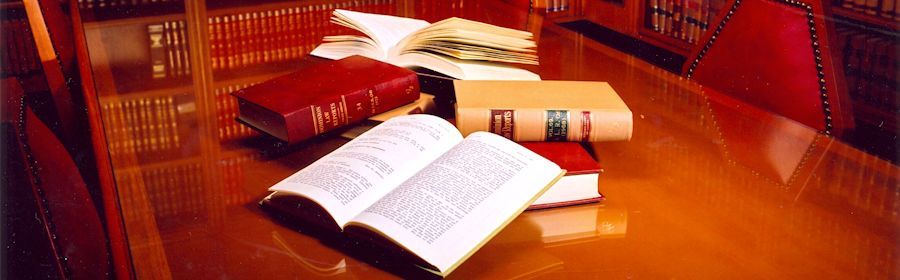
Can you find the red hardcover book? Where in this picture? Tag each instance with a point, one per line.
(579, 185)
(324, 95)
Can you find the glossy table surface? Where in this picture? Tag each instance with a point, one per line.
(708, 187)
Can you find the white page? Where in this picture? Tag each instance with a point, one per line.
(385, 30)
(450, 208)
(357, 174)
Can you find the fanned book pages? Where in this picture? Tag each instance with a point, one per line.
(459, 48)
(415, 186)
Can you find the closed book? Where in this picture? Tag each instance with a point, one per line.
(543, 110)
(579, 185)
(324, 95)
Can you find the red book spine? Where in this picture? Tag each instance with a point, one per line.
(340, 110)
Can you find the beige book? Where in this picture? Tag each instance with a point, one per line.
(459, 48)
(543, 110)
(415, 186)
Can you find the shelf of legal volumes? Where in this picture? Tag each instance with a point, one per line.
(881, 14)
(147, 54)
(19, 54)
(676, 25)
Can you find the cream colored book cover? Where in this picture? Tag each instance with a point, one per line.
(543, 110)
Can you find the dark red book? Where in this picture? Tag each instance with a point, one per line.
(324, 95)
(579, 185)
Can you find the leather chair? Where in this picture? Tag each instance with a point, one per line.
(775, 54)
(62, 48)
(55, 227)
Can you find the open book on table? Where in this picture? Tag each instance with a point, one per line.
(415, 185)
(459, 48)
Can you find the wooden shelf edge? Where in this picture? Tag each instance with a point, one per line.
(882, 22)
(664, 41)
(186, 89)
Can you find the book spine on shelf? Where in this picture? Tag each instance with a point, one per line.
(859, 5)
(654, 14)
(871, 7)
(214, 41)
(888, 9)
(183, 48)
(670, 17)
(157, 50)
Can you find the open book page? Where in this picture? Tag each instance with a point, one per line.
(471, 40)
(448, 210)
(353, 177)
(386, 31)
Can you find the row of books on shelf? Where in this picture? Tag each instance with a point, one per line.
(179, 190)
(142, 125)
(93, 4)
(169, 49)
(19, 56)
(227, 113)
(684, 20)
(252, 38)
(870, 66)
(176, 191)
(887, 9)
(152, 124)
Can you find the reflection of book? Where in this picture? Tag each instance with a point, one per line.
(579, 186)
(414, 185)
(314, 266)
(574, 224)
(459, 48)
(543, 110)
(561, 226)
(509, 262)
(568, 225)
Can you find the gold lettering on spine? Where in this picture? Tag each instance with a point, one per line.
(373, 101)
(312, 110)
(334, 113)
(320, 123)
(344, 112)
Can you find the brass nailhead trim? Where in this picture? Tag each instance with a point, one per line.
(36, 179)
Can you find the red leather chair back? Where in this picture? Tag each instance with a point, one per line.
(62, 46)
(68, 218)
(775, 54)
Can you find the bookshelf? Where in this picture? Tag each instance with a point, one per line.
(19, 55)
(143, 62)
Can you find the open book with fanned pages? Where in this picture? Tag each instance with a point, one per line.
(459, 48)
(415, 186)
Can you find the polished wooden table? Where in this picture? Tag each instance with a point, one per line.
(708, 187)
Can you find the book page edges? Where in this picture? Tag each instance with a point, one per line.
(287, 192)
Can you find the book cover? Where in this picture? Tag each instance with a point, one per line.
(543, 110)
(579, 185)
(324, 95)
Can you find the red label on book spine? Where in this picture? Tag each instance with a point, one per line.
(503, 123)
(585, 126)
